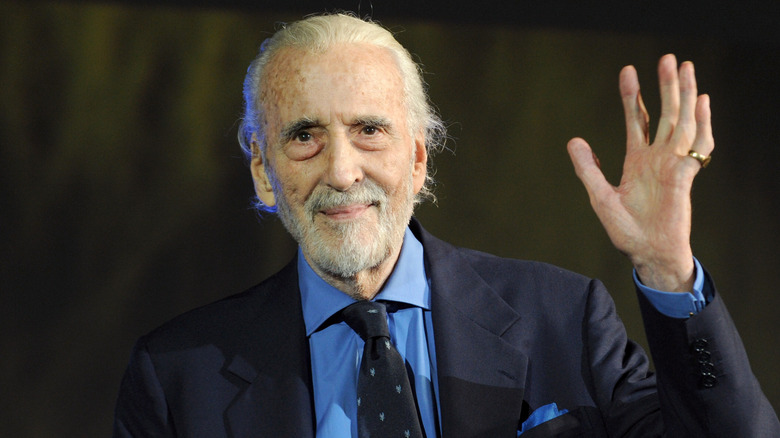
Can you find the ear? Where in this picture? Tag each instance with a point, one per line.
(420, 164)
(263, 186)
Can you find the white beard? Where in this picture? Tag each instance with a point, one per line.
(347, 248)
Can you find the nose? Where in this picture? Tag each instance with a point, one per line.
(344, 163)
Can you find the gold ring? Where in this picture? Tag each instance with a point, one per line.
(704, 161)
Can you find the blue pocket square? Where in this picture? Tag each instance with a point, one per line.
(539, 416)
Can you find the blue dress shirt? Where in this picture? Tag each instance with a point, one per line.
(336, 350)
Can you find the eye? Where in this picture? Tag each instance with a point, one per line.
(303, 136)
(370, 130)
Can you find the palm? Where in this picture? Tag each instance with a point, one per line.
(648, 216)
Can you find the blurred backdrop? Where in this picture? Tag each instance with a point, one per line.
(124, 198)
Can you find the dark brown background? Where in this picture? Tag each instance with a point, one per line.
(125, 198)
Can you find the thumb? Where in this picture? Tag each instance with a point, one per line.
(588, 168)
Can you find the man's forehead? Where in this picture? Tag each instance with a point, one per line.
(359, 79)
(293, 68)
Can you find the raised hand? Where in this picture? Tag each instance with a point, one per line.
(648, 216)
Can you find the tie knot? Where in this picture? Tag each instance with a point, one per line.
(367, 318)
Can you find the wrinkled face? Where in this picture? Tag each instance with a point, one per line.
(342, 165)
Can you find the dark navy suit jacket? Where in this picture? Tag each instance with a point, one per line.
(511, 336)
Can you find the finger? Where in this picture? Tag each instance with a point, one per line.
(685, 132)
(634, 108)
(587, 167)
(704, 143)
(670, 97)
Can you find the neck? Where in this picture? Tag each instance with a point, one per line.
(364, 285)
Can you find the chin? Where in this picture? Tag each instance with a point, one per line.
(349, 251)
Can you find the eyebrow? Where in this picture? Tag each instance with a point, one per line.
(289, 130)
(378, 121)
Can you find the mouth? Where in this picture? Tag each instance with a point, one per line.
(346, 212)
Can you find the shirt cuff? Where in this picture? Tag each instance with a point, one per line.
(676, 304)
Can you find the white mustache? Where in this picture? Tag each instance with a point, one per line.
(324, 197)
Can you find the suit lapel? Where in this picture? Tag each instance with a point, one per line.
(273, 365)
(471, 323)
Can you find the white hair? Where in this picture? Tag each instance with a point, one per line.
(317, 34)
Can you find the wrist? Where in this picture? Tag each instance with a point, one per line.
(668, 276)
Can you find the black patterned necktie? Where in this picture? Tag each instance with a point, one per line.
(386, 406)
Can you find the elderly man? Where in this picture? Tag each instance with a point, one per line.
(379, 329)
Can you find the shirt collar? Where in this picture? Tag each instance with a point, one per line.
(407, 284)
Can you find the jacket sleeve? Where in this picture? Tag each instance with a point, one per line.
(618, 373)
(705, 384)
(141, 408)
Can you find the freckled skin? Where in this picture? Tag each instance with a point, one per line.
(338, 89)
